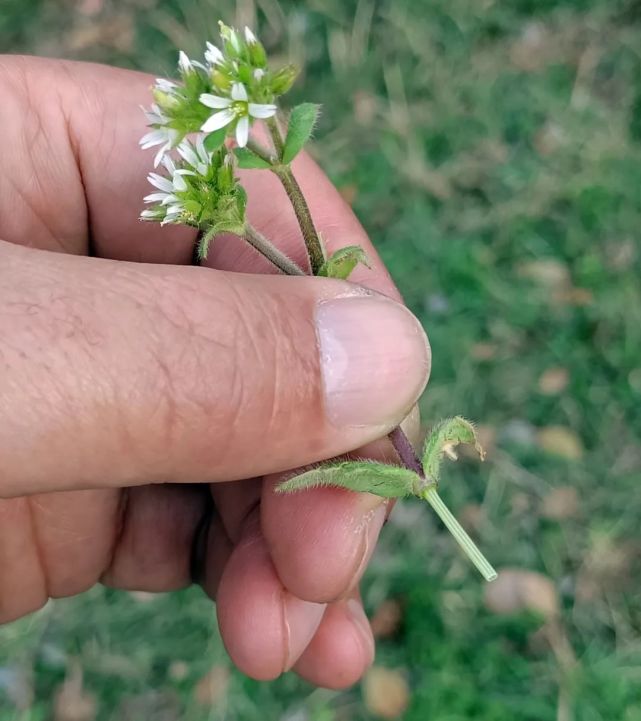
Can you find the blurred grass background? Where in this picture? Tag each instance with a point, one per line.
(493, 151)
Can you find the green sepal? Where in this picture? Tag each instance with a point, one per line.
(301, 126)
(442, 440)
(215, 140)
(360, 476)
(248, 160)
(343, 261)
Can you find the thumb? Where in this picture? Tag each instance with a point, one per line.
(117, 374)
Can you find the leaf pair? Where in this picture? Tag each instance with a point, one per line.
(391, 481)
(396, 482)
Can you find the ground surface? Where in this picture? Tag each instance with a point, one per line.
(493, 150)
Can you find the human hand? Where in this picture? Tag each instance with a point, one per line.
(126, 384)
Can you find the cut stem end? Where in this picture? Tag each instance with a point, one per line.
(470, 548)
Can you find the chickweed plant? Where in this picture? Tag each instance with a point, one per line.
(200, 126)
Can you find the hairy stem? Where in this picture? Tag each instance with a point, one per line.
(266, 248)
(284, 173)
(406, 451)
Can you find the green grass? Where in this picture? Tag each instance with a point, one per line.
(493, 151)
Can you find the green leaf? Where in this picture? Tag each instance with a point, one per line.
(361, 476)
(214, 140)
(248, 160)
(442, 440)
(301, 125)
(343, 261)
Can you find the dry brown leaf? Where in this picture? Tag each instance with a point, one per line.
(549, 139)
(554, 381)
(71, 701)
(547, 272)
(178, 671)
(212, 687)
(574, 296)
(386, 619)
(561, 441)
(484, 351)
(561, 503)
(533, 50)
(386, 692)
(516, 590)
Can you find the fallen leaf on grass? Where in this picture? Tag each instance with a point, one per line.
(212, 687)
(386, 619)
(561, 441)
(516, 590)
(554, 381)
(385, 692)
(560, 504)
(72, 702)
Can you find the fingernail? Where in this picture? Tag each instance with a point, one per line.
(359, 619)
(374, 360)
(301, 621)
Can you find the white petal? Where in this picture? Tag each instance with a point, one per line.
(170, 198)
(261, 111)
(149, 214)
(155, 137)
(184, 63)
(179, 183)
(213, 55)
(165, 85)
(242, 132)
(155, 197)
(161, 183)
(239, 92)
(249, 36)
(214, 101)
(169, 164)
(259, 74)
(218, 121)
(160, 155)
(187, 153)
(201, 150)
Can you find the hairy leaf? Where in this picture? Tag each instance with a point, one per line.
(362, 476)
(301, 125)
(343, 261)
(248, 160)
(442, 440)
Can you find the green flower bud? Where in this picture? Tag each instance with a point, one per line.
(282, 81)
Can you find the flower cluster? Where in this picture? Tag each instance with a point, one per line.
(235, 82)
(200, 190)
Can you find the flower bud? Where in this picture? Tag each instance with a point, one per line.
(283, 80)
(221, 80)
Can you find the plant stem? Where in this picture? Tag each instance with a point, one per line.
(284, 173)
(454, 527)
(266, 248)
(406, 451)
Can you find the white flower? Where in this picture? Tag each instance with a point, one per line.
(213, 55)
(164, 136)
(250, 37)
(167, 195)
(235, 109)
(196, 156)
(259, 74)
